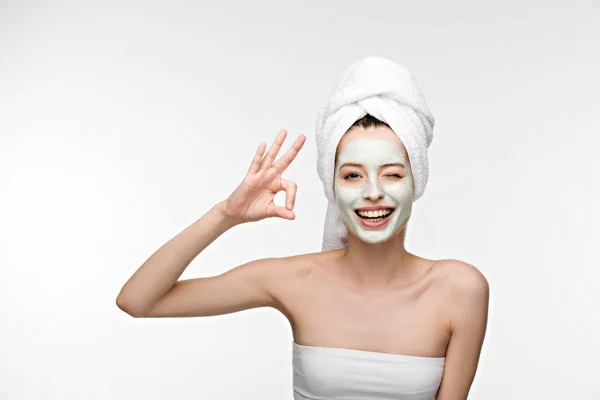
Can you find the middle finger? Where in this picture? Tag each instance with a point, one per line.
(273, 150)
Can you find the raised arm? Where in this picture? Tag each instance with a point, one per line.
(154, 290)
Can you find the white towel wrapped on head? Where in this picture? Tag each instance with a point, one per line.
(387, 91)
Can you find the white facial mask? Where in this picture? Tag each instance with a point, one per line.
(373, 185)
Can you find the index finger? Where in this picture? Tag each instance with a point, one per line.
(290, 155)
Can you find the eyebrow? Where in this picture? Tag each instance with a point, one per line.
(349, 164)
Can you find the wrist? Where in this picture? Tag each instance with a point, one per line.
(226, 216)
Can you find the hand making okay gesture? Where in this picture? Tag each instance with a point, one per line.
(252, 200)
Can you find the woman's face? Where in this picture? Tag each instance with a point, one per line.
(372, 169)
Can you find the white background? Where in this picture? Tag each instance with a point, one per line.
(121, 123)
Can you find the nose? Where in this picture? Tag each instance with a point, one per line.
(373, 190)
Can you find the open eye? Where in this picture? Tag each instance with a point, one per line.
(397, 175)
(351, 173)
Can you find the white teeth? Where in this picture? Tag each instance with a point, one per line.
(375, 214)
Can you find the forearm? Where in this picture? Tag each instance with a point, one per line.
(157, 275)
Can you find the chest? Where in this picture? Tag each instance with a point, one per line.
(324, 313)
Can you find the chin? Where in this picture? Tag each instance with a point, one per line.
(378, 239)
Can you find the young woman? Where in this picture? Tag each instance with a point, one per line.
(409, 318)
(370, 320)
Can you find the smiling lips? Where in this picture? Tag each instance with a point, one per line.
(374, 219)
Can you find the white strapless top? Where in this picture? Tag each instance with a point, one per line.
(328, 373)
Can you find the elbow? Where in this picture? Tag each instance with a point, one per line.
(125, 306)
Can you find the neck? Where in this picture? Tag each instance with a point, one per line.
(377, 265)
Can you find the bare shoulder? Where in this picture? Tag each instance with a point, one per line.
(461, 289)
(285, 278)
(459, 276)
(300, 265)
(282, 272)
